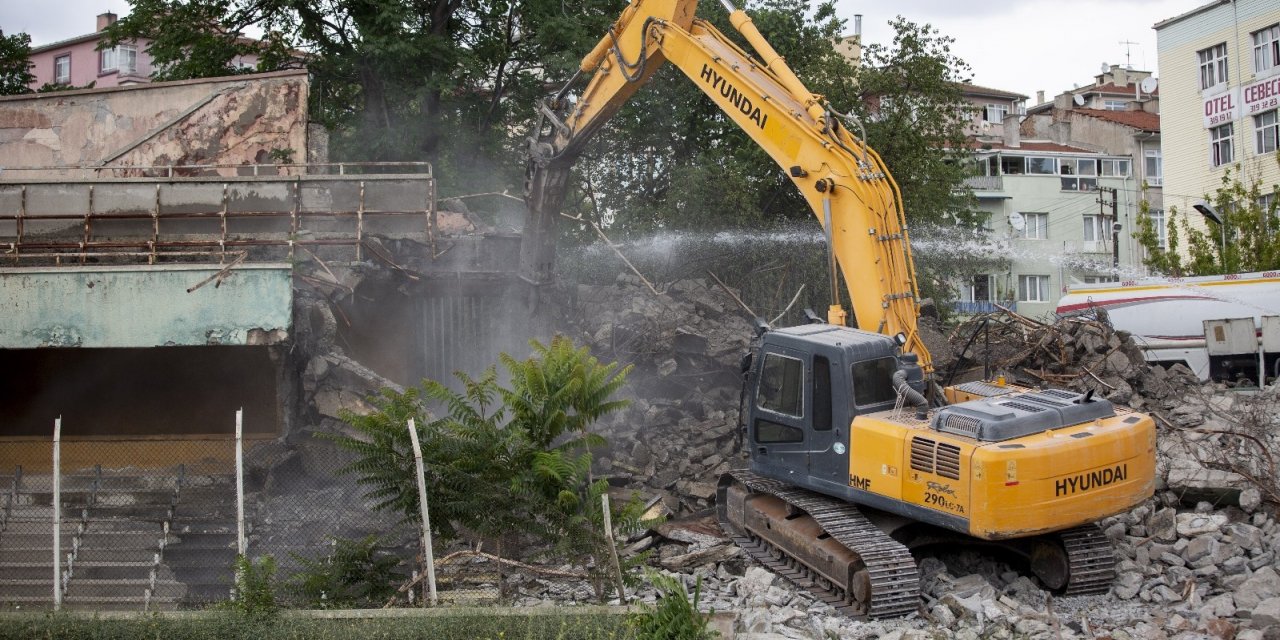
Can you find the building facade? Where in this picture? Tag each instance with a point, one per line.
(1047, 214)
(77, 61)
(1117, 115)
(1220, 85)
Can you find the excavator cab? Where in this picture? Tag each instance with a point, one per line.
(802, 389)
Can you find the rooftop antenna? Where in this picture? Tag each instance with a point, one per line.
(1128, 46)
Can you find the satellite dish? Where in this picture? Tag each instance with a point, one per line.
(1105, 67)
(1079, 100)
(1149, 84)
(1017, 221)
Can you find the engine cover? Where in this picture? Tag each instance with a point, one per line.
(1014, 416)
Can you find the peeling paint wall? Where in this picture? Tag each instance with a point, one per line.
(145, 306)
(234, 120)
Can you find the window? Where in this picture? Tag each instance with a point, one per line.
(1160, 225)
(1033, 288)
(1096, 228)
(1035, 226)
(107, 60)
(821, 393)
(1154, 168)
(980, 288)
(1266, 132)
(1220, 151)
(1115, 105)
(1213, 66)
(873, 381)
(1042, 166)
(1115, 168)
(769, 432)
(781, 385)
(1100, 279)
(1012, 166)
(127, 59)
(995, 113)
(62, 69)
(1266, 48)
(1079, 167)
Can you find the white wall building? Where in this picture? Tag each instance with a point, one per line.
(1220, 94)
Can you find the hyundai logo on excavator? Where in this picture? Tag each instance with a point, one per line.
(727, 90)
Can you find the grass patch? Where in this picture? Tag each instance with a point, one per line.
(228, 625)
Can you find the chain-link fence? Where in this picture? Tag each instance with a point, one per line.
(152, 523)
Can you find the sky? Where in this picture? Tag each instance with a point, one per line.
(1015, 45)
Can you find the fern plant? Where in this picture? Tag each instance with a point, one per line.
(674, 616)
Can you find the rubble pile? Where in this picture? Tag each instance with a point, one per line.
(1079, 353)
(1196, 561)
(685, 344)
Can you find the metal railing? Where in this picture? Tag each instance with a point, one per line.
(974, 307)
(985, 183)
(159, 218)
(93, 172)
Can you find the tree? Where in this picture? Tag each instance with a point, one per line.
(446, 81)
(1248, 238)
(915, 117)
(15, 64)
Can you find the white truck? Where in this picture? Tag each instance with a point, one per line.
(1221, 327)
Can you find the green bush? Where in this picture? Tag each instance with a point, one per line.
(357, 574)
(674, 616)
(255, 595)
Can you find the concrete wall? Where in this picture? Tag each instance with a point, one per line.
(144, 306)
(235, 120)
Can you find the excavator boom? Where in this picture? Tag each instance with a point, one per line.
(844, 181)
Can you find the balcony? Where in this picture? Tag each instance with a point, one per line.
(985, 183)
(975, 307)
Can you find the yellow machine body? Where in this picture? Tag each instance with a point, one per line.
(1031, 485)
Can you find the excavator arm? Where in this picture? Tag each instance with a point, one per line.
(845, 182)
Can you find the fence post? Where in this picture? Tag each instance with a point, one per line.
(57, 513)
(613, 548)
(240, 545)
(426, 522)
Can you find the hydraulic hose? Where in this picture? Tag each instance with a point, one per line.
(916, 398)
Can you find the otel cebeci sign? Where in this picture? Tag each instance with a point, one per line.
(1237, 102)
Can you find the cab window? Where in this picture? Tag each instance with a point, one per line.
(781, 385)
(873, 381)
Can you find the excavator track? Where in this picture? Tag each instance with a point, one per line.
(1091, 560)
(887, 583)
(1077, 561)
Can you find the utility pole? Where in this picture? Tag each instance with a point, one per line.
(1115, 223)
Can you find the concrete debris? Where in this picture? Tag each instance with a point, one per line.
(1195, 561)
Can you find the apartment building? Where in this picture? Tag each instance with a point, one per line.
(78, 61)
(1220, 85)
(1045, 211)
(1117, 115)
(990, 108)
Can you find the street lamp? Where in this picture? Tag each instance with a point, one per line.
(1210, 214)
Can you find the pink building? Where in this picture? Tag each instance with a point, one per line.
(77, 61)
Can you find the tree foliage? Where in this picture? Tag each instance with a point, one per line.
(15, 64)
(1247, 240)
(501, 460)
(915, 117)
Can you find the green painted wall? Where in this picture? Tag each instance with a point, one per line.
(144, 306)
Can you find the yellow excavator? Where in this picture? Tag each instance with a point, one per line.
(845, 478)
